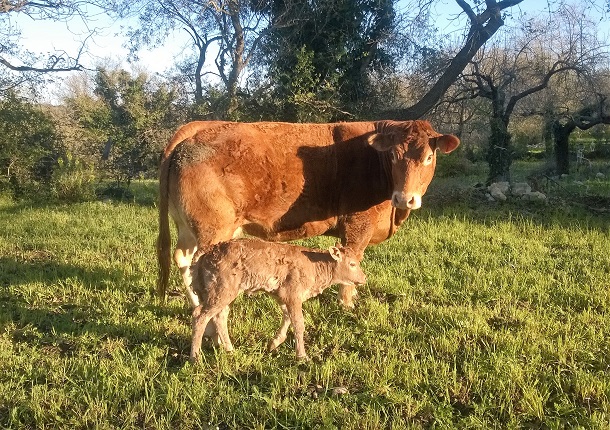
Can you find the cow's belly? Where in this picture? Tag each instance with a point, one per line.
(281, 232)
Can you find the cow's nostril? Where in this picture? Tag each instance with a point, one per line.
(414, 202)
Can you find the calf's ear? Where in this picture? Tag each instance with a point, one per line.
(447, 143)
(335, 253)
(382, 141)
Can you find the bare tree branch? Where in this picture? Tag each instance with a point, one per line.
(482, 28)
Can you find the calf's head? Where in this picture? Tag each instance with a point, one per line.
(411, 147)
(347, 270)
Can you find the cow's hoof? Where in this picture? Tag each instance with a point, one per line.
(347, 299)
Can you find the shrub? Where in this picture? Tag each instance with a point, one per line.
(73, 180)
(28, 147)
(454, 165)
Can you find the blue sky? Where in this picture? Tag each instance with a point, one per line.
(107, 42)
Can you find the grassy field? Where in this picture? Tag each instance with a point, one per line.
(476, 315)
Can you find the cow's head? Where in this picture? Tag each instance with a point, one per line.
(411, 147)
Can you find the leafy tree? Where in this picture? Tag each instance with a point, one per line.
(345, 36)
(126, 120)
(228, 32)
(28, 142)
(485, 18)
(138, 118)
(322, 58)
(598, 112)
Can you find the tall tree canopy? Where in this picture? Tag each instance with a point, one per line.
(334, 43)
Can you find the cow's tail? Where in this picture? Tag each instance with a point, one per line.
(164, 238)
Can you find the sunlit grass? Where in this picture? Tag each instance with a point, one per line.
(473, 317)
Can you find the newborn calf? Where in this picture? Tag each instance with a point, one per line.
(289, 273)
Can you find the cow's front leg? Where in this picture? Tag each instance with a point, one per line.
(346, 295)
(356, 232)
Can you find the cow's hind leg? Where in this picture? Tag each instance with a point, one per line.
(183, 256)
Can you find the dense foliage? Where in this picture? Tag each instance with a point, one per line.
(29, 146)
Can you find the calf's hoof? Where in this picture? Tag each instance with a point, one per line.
(274, 343)
(303, 358)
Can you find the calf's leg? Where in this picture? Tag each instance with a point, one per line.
(200, 320)
(280, 336)
(221, 321)
(295, 310)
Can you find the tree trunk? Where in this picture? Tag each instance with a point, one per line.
(198, 79)
(499, 152)
(561, 135)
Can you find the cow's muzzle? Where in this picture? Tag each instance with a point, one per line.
(406, 201)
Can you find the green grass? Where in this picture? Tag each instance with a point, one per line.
(475, 315)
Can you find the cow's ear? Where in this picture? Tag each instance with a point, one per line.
(447, 143)
(335, 253)
(382, 141)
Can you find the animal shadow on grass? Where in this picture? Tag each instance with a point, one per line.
(54, 320)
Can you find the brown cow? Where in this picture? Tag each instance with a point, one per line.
(289, 273)
(279, 181)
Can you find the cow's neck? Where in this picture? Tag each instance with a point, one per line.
(368, 179)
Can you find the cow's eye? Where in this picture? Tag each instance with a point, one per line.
(429, 159)
(352, 264)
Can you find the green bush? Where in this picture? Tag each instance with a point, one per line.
(28, 147)
(73, 180)
(454, 165)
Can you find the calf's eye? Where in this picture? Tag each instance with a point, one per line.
(393, 156)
